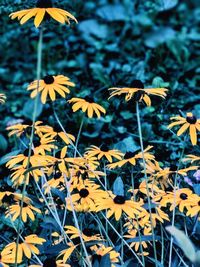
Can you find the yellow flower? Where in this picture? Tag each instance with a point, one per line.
(191, 158)
(104, 151)
(86, 234)
(190, 122)
(116, 204)
(102, 250)
(2, 98)
(138, 93)
(88, 105)
(50, 85)
(194, 205)
(25, 247)
(133, 233)
(131, 158)
(85, 199)
(44, 9)
(27, 211)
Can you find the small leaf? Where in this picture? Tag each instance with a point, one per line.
(8, 156)
(28, 109)
(3, 143)
(118, 187)
(184, 242)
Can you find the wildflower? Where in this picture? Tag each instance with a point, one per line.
(181, 198)
(49, 86)
(131, 158)
(88, 105)
(86, 198)
(43, 144)
(27, 211)
(191, 158)
(86, 234)
(101, 250)
(44, 9)
(190, 122)
(138, 93)
(25, 247)
(117, 204)
(104, 151)
(2, 98)
(194, 206)
(134, 233)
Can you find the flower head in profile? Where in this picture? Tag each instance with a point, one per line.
(131, 158)
(138, 93)
(44, 9)
(2, 98)
(49, 86)
(190, 122)
(26, 247)
(104, 152)
(88, 105)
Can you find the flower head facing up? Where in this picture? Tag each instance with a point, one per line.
(88, 105)
(138, 93)
(44, 9)
(190, 122)
(50, 85)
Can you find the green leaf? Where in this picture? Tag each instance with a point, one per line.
(118, 186)
(3, 143)
(29, 107)
(105, 261)
(8, 156)
(184, 242)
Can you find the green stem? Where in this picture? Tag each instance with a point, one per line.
(174, 212)
(79, 134)
(39, 64)
(146, 180)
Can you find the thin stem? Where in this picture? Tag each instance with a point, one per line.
(79, 134)
(146, 180)
(174, 204)
(39, 65)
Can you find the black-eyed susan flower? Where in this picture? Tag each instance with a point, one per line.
(2, 98)
(190, 122)
(86, 197)
(180, 197)
(27, 211)
(25, 248)
(87, 104)
(131, 158)
(193, 207)
(117, 204)
(105, 152)
(43, 144)
(86, 234)
(101, 250)
(44, 9)
(191, 158)
(133, 233)
(49, 86)
(138, 93)
(20, 175)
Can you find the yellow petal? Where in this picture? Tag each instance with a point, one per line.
(183, 129)
(39, 17)
(193, 134)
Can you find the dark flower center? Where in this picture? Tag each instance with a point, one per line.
(49, 79)
(87, 232)
(199, 203)
(153, 210)
(183, 196)
(119, 199)
(44, 3)
(130, 154)
(137, 84)
(50, 263)
(137, 96)
(26, 152)
(7, 199)
(173, 168)
(57, 175)
(191, 120)
(83, 193)
(89, 99)
(104, 148)
(36, 143)
(25, 205)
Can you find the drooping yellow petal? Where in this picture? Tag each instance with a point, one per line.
(183, 129)
(193, 134)
(39, 17)
(56, 15)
